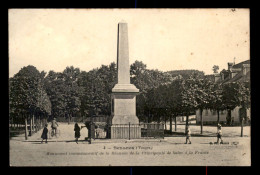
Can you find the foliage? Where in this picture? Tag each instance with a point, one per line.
(215, 68)
(27, 93)
(97, 85)
(74, 92)
(186, 73)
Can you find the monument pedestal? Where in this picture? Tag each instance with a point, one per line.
(124, 110)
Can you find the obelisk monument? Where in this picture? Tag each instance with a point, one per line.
(124, 93)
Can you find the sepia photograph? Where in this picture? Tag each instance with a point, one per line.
(129, 87)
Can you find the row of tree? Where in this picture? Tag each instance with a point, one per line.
(28, 99)
(75, 93)
(184, 96)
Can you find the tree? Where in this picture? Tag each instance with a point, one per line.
(215, 68)
(237, 94)
(43, 109)
(245, 102)
(55, 88)
(26, 88)
(202, 91)
(97, 85)
(72, 91)
(188, 97)
(174, 99)
(185, 73)
(216, 99)
(145, 80)
(230, 97)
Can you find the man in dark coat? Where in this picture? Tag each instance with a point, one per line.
(45, 133)
(77, 132)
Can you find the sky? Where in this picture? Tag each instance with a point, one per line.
(163, 39)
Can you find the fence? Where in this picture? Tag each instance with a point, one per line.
(130, 131)
(152, 130)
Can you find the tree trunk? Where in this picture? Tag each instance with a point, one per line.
(229, 117)
(68, 119)
(201, 121)
(43, 122)
(218, 117)
(242, 126)
(30, 125)
(37, 124)
(187, 120)
(33, 123)
(171, 123)
(175, 118)
(26, 130)
(165, 121)
(40, 123)
(149, 115)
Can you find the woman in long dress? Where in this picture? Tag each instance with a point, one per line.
(77, 132)
(45, 133)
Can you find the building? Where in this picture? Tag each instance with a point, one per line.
(235, 73)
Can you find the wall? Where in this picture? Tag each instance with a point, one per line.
(212, 118)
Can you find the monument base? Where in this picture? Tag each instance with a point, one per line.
(125, 132)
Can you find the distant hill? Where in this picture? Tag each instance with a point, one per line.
(185, 73)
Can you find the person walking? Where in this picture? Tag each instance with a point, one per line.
(45, 133)
(54, 126)
(188, 135)
(77, 132)
(219, 134)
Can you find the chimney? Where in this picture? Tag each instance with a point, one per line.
(230, 65)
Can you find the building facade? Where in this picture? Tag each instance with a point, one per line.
(235, 73)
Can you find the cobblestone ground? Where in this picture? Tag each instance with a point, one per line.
(171, 151)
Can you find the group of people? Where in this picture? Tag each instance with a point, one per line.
(54, 126)
(219, 134)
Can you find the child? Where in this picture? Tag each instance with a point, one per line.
(77, 132)
(219, 134)
(188, 134)
(54, 126)
(45, 133)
